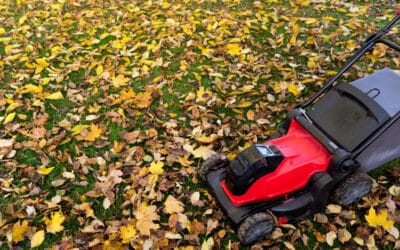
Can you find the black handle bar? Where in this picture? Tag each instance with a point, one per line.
(367, 45)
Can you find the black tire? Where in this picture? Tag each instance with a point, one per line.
(214, 162)
(255, 227)
(352, 188)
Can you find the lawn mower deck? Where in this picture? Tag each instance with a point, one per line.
(323, 149)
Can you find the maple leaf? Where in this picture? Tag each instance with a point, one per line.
(127, 233)
(145, 216)
(156, 167)
(19, 231)
(143, 100)
(54, 224)
(92, 135)
(380, 219)
(119, 81)
(172, 205)
(37, 238)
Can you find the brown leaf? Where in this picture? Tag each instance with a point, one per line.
(146, 215)
(172, 205)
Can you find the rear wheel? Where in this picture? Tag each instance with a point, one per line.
(255, 227)
(212, 163)
(352, 188)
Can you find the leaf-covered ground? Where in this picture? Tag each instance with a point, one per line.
(107, 109)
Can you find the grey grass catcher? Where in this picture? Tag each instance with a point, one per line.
(323, 150)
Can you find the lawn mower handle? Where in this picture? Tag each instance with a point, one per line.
(366, 46)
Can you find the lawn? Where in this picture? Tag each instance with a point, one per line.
(108, 108)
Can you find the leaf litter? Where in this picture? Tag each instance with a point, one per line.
(107, 110)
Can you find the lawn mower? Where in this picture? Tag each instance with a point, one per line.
(322, 151)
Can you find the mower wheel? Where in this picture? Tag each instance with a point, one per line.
(255, 227)
(214, 162)
(352, 188)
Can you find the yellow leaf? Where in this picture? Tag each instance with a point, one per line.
(13, 106)
(206, 51)
(55, 96)
(45, 171)
(127, 233)
(37, 238)
(92, 135)
(294, 89)
(99, 70)
(233, 49)
(2, 31)
(78, 129)
(165, 5)
(9, 118)
(54, 224)
(380, 219)
(119, 81)
(207, 139)
(22, 19)
(244, 104)
(203, 95)
(30, 89)
(143, 100)
(156, 167)
(187, 30)
(19, 231)
(41, 64)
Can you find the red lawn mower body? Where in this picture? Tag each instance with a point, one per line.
(304, 157)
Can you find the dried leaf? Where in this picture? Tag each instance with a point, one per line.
(145, 216)
(37, 238)
(172, 205)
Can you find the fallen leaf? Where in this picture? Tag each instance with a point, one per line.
(143, 100)
(156, 167)
(208, 244)
(119, 81)
(54, 224)
(92, 135)
(55, 96)
(127, 233)
(172, 205)
(380, 219)
(45, 170)
(233, 49)
(19, 230)
(343, 235)
(145, 216)
(330, 237)
(37, 238)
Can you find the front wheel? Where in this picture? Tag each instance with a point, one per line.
(255, 227)
(352, 188)
(212, 163)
